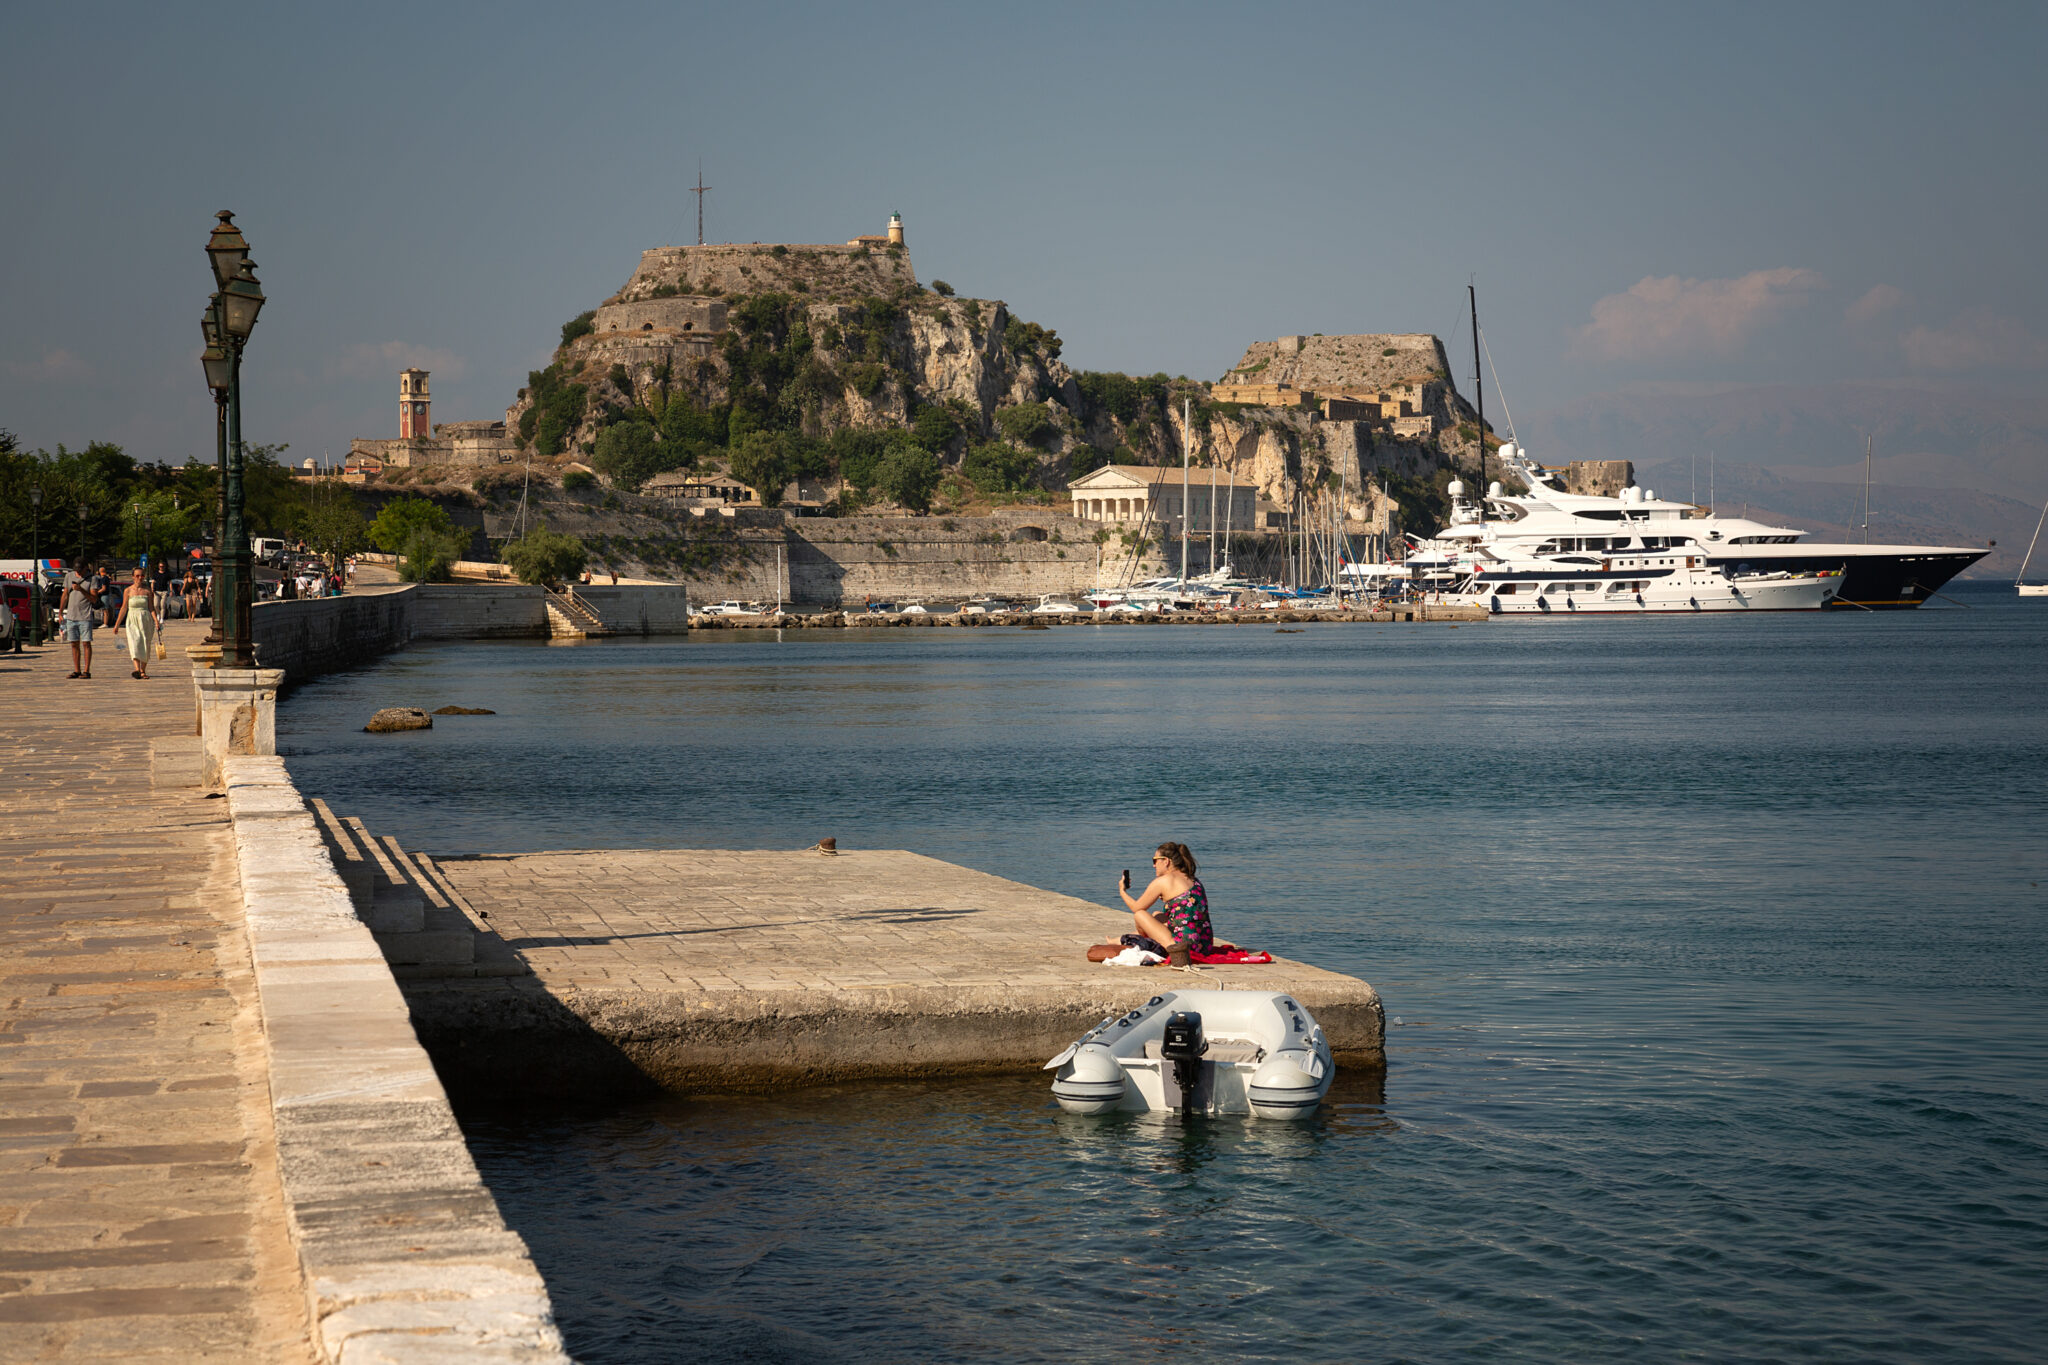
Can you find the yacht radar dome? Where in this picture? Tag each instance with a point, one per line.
(1493, 489)
(1457, 489)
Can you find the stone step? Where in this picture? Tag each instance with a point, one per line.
(445, 939)
(356, 869)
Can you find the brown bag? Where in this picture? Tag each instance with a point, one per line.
(161, 652)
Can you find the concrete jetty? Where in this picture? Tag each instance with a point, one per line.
(721, 970)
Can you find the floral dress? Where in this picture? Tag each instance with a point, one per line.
(1188, 916)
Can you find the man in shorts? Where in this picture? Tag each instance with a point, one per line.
(79, 604)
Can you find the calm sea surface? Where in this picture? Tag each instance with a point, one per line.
(1716, 954)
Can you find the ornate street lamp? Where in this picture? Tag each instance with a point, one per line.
(226, 249)
(230, 317)
(35, 573)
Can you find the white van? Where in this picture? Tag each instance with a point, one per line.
(267, 550)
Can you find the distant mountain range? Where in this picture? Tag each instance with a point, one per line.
(1950, 466)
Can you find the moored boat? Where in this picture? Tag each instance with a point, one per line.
(1199, 1052)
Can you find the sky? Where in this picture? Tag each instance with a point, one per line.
(1650, 198)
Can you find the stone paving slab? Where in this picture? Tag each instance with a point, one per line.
(714, 969)
(140, 1209)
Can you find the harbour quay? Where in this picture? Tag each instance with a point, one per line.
(855, 620)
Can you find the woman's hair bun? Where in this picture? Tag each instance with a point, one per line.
(1178, 855)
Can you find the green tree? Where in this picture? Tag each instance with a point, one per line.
(582, 325)
(935, 426)
(422, 534)
(1026, 423)
(909, 475)
(763, 461)
(629, 454)
(333, 525)
(429, 556)
(546, 557)
(942, 289)
(998, 467)
(162, 524)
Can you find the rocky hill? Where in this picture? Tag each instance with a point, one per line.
(786, 362)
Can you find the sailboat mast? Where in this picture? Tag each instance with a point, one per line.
(1478, 393)
(2029, 556)
(1186, 434)
(1866, 490)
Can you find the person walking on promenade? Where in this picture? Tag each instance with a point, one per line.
(80, 608)
(140, 614)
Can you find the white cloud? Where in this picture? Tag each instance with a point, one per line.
(1880, 299)
(1665, 317)
(1978, 339)
(57, 366)
(384, 359)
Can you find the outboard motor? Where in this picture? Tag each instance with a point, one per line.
(1183, 1045)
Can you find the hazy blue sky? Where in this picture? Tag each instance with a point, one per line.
(1686, 194)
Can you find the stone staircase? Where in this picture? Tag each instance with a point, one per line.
(569, 617)
(423, 925)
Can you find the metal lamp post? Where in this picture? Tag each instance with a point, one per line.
(80, 570)
(230, 318)
(35, 573)
(135, 511)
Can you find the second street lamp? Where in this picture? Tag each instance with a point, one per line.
(230, 318)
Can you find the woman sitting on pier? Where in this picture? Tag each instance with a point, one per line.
(1182, 925)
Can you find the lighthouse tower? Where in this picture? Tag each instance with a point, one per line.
(895, 229)
(413, 406)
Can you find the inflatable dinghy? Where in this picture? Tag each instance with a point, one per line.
(1199, 1052)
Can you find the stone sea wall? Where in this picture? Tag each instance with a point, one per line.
(464, 611)
(319, 635)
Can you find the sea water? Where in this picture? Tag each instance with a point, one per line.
(1714, 952)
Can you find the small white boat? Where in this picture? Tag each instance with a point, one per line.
(1052, 604)
(1199, 1052)
(2019, 583)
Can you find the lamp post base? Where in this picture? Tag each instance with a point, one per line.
(237, 715)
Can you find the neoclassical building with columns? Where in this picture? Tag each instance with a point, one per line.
(1132, 493)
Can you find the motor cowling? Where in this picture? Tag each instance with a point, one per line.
(1183, 1044)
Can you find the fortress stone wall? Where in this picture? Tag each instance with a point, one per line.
(823, 272)
(687, 315)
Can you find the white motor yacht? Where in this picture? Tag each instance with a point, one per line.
(1547, 520)
(1638, 583)
(1199, 1052)
(1052, 604)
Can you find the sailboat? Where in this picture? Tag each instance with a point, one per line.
(2018, 580)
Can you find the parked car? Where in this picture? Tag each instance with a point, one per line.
(17, 596)
(728, 608)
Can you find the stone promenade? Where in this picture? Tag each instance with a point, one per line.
(141, 1216)
(716, 970)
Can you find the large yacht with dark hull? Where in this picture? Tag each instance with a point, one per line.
(1549, 521)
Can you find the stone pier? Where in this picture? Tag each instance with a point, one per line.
(743, 970)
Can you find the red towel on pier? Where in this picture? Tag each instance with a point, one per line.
(1228, 955)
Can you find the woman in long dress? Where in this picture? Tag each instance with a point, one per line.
(139, 614)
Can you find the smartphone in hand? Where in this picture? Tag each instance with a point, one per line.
(1127, 879)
